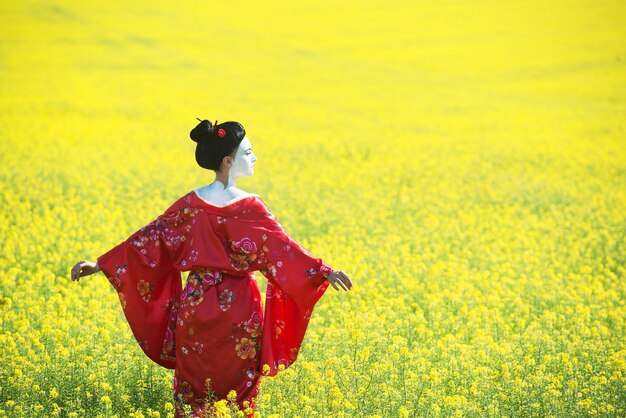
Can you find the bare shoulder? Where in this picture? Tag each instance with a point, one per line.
(237, 193)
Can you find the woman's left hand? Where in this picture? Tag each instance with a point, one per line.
(84, 268)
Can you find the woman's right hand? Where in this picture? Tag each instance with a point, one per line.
(338, 276)
(84, 268)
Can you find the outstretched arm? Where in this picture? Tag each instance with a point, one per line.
(143, 270)
(296, 281)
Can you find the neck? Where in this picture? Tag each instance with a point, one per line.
(224, 179)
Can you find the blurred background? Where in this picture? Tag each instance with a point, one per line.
(464, 162)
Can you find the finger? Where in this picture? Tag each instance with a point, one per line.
(340, 277)
(343, 285)
(347, 279)
(333, 283)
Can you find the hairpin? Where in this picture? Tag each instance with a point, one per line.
(220, 132)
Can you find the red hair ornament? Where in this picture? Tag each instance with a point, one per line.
(220, 132)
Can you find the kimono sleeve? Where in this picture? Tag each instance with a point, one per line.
(296, 281)
(144, 271)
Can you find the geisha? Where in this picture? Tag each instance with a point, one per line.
(216, 332)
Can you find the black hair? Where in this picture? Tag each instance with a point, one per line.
(212, 147)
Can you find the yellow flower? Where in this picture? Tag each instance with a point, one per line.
(266, 369)
(220, 406)
(53, 393)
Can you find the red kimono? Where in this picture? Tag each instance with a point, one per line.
(216, 332)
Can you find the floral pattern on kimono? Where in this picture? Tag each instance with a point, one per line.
(216, 333)
(141, 271)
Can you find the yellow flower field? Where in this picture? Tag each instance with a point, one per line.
(463, 162)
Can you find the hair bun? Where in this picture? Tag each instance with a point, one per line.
(202, 131)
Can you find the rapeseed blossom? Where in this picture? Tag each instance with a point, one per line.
(469, 179)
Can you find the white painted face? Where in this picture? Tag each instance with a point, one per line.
(243, 165)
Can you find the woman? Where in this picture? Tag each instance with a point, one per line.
(215, 333)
